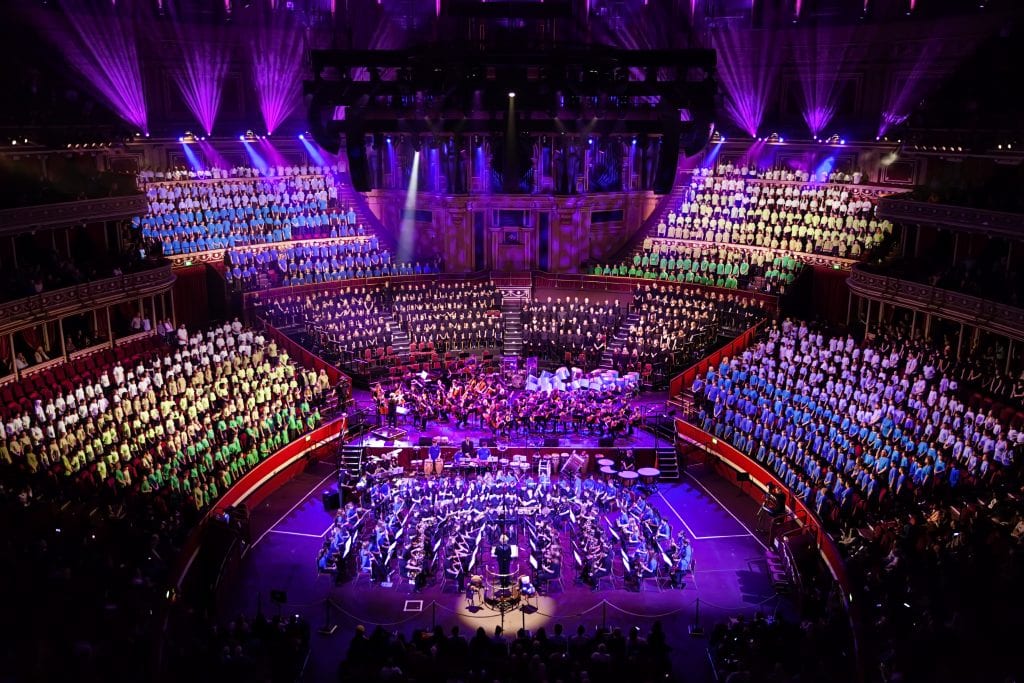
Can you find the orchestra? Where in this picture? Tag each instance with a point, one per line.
(490, 401)
(462, 528)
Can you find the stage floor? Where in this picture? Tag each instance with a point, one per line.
(650, 403)
(730, 579)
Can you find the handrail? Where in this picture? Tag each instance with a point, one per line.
(763, 478)
(62, 214)
(903, 207)
(956, 306)
(47, 305)
(678, 384)
(261, 475)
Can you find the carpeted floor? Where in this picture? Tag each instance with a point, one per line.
(730, 579)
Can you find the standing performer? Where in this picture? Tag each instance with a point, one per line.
(503, 554)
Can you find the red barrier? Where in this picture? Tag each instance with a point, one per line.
(303, 356)
(762, 478)
(680, 382)
(263, 478)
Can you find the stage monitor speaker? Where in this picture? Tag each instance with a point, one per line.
(426, 440)
(358, 165)
(491, 443)
(606, 442)
(332, 501)
(280, 597)
(742, 476)
(552, 442)
(695, 137)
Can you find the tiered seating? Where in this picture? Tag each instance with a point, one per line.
(453, 316)
(738, 228)
(190, 216)
(572, 332)
(19, 397)
(344, 325)
(714, 266)
(323, 261)
(776, 210)
(677, 326)
(879, 441)
(157, 423)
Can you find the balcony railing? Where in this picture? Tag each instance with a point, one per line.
(905, 209)
(48, 305)
(956, 306)
(71, 213)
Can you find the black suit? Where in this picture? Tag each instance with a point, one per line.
(503, 553)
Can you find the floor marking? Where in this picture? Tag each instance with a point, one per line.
(715, 498)
(413, 606)
(293, 508)
(676, 513)
(712, 538)
(295, 533)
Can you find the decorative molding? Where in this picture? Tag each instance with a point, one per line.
(956, 306)
(965, 219)
(40, 308)
(64, 214)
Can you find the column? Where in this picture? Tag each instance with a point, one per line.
(867, 320)
(849, 307)
(14, 364)
(959, 341)
(60, 332)
(1009, 355)
(913, 322)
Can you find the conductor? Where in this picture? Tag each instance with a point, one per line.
(503, 554)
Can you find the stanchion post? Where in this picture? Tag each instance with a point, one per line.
(604, 614)
(328, 628)
(433, 614)
(696, 630)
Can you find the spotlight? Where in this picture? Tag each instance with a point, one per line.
(241, 138)
(301, 136)
(590, 141)
(14, 142)
(511, 95)
(388, 139)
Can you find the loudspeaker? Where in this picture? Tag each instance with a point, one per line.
(695, 137)
(552, 442)
(742, 476)
(280, 597)
(358, 165)
(331, 499)
(606, 442)
(425, 441)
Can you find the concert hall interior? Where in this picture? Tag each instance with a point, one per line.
(506, 341)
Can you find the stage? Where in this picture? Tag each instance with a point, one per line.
(730, 577)
(650, 405)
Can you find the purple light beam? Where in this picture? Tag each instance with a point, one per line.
(747, 69)
(277, 67)
(200, 78)
(820, 74)
(103, 50)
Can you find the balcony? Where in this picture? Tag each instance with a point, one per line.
(48, 305)
(13, 221)
(962, 308)
(906, 209)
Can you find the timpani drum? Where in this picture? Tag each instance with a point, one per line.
(609, 473)
(503, 464)
(415, 465)
(606, 462)
(649, 474)
(628, 478)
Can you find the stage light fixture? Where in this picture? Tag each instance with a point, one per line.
(511, 95)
